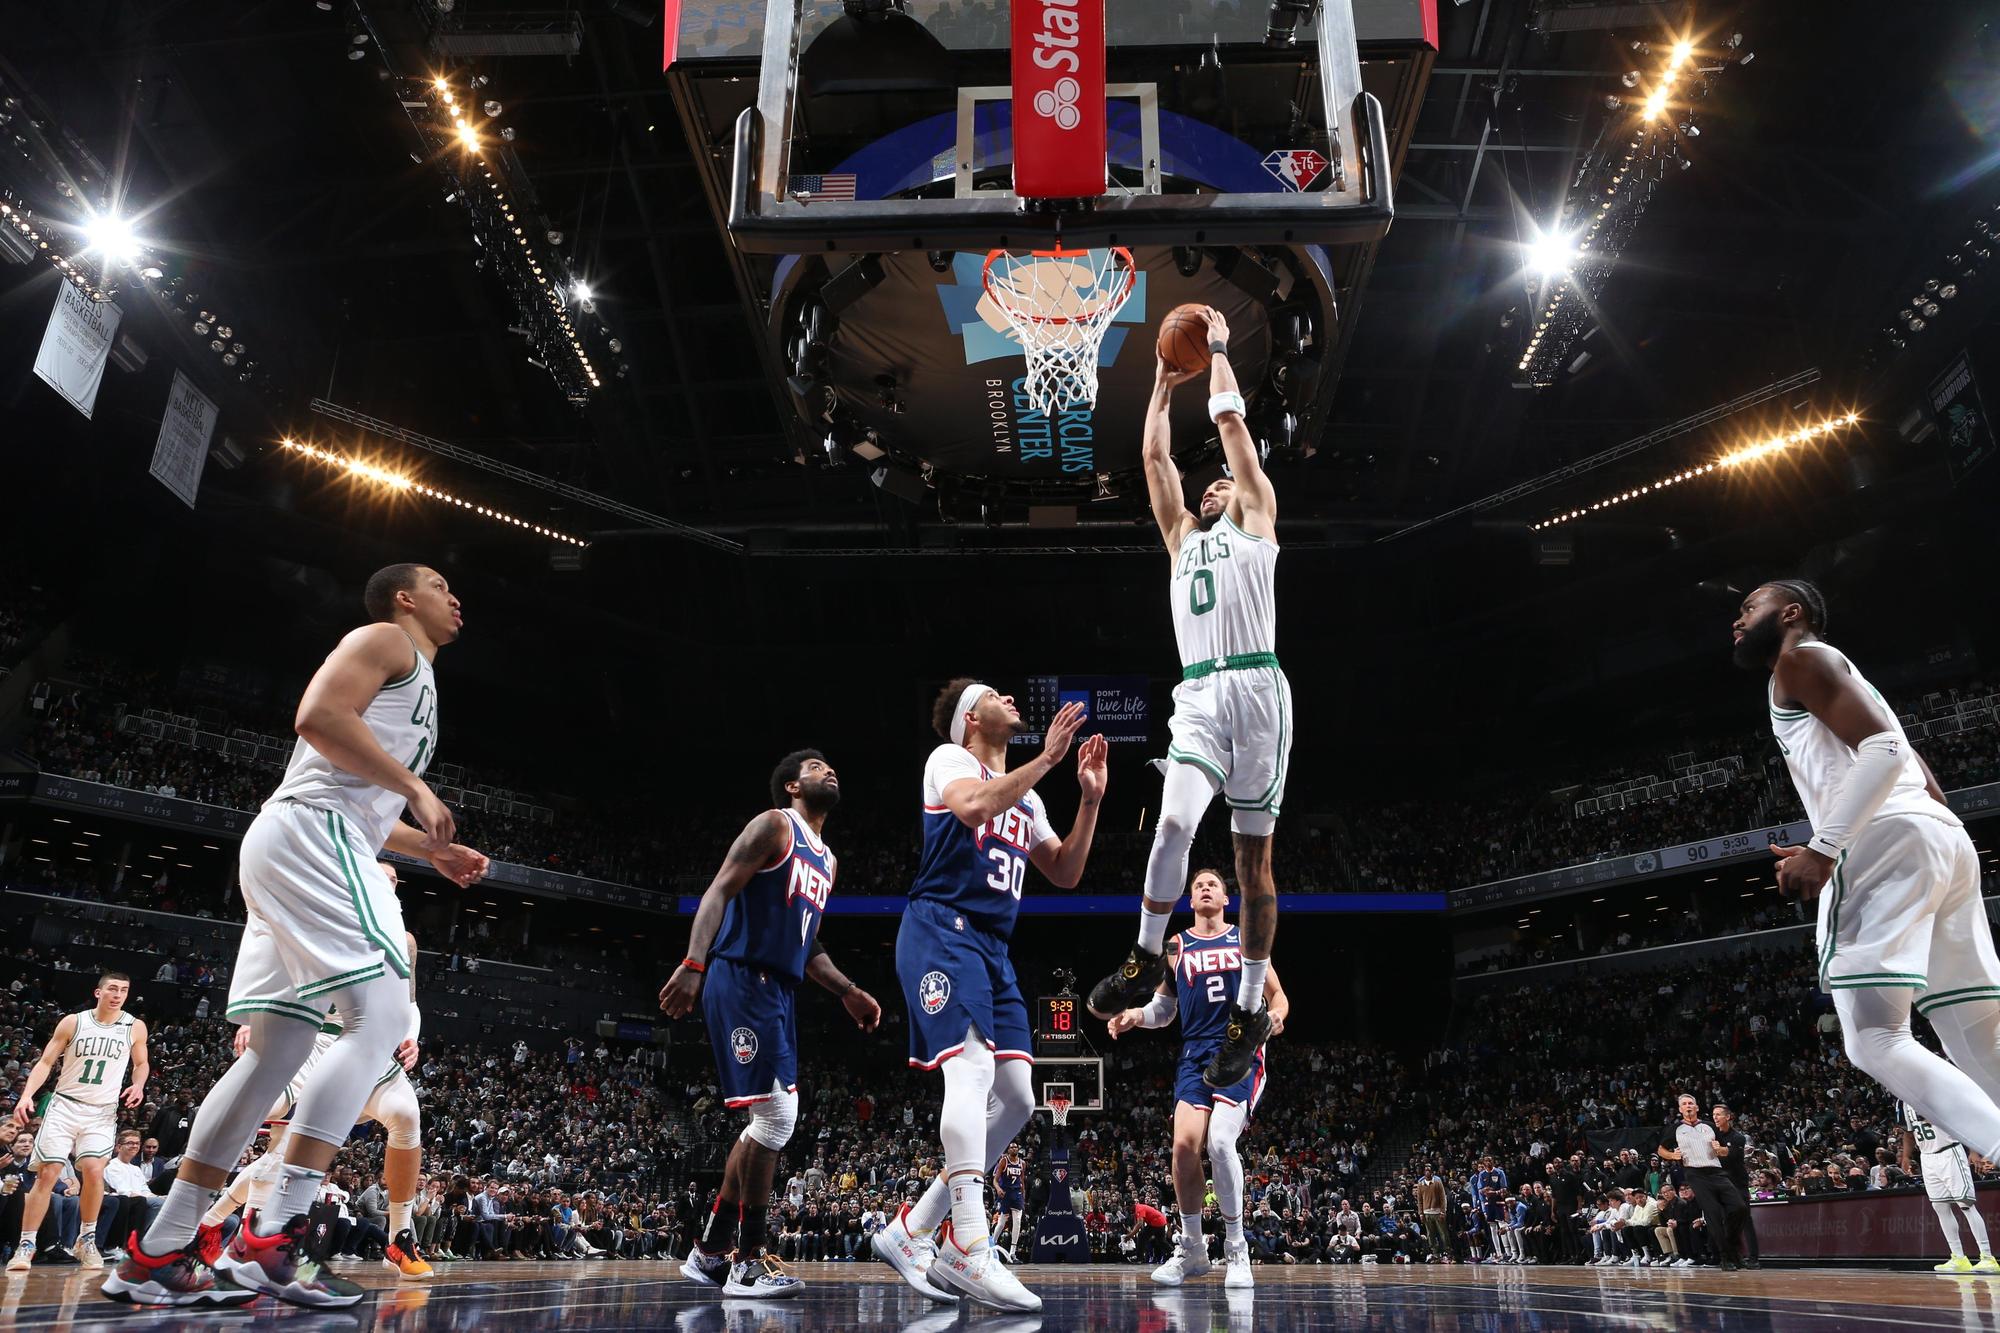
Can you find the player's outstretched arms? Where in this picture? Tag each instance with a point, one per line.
(758, 847)
(1156, 454)
(1255, 503)
(1061, 860)
(975, 801)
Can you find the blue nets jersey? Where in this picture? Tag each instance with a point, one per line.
(1206, 972)
(977, 872)
(770, 925)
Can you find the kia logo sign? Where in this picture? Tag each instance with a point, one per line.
(1059, 111)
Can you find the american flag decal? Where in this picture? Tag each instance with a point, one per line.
(823, 189)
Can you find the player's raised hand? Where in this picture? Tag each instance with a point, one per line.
(461, 865)
(1167, 377)
(1062, 730)
(1802, 872)
(406, 1054)
(1090, 768)
(434, 818)
(862, 1008)
(683, 988)
(1123, 1021)
(1218, 327)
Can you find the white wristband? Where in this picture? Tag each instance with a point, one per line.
(1218, 403)
(1878, 762)
(1159, 1011)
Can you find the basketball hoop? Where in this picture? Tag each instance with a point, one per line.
(1059, 304)
(1059, 1108)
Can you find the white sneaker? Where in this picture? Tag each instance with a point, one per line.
(708, 1270)
(1684, 1263)
(86, 1252)
(1237, 1260)
(911, 1256)
(762, 1279)
(24, 1256)
(1181, 1267)
(980, 1276)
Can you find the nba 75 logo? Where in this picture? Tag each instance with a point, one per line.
(933, 991)
(743, 1045)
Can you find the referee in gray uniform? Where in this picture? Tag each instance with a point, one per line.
(1692, 1143)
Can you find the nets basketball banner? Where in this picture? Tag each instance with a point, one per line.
(1117, 706)
(182, 448)
(76, 345)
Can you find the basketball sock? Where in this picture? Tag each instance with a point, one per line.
(180, 1216)
(257, 1193)
(749, 1232)
(292, 1196)
(1250, 990)
(1947, 1216)
(1978, 1225)
(718, 1234)
(1152, 930)
(1191, 1232)
(968, 1211)
(399, 1217)
(1232, 1229)
(1875, 1026)
(927, 1214)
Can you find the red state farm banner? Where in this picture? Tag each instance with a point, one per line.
(1059, 113)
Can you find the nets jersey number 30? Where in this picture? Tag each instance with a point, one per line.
(1013, 828)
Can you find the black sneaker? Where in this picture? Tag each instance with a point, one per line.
(1241, 1040)
(55, 1254)
(1132, 984)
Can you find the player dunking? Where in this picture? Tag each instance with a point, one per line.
(324, 930)
(982, 826)
(1948, 1184)
(755, 936)
(1902, 920)
(1206, 962)
(1232, 722)
(392, 1104)
(80, 1120)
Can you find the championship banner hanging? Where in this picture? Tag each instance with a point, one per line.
(182, 449)
(76, 346)
(1961, 417)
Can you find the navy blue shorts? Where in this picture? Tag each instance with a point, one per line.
(1188, 1087)
(956, 976)
(751, 1027)
(1013, 1201)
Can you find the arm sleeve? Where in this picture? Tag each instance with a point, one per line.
(416, 1022)
(1159, 1011)
(1878, 762)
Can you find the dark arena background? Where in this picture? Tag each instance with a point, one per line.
(662, 332)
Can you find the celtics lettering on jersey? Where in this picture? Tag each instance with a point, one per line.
(94, 1064)
(1222, 593)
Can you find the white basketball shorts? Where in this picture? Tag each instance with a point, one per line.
(321, 915)
(74, 1129)
(1903, 909)
(1948, 1176)
(1236, 726)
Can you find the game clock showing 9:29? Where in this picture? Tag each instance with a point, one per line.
(1056, 1020)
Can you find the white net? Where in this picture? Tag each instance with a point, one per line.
(1059, 1109)
(1059, 304)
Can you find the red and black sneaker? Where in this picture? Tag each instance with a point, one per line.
(181, 1277)
(282, 1266)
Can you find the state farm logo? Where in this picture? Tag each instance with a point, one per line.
(1059, 104)
(1056, 43)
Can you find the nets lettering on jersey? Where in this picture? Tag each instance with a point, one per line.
(1059, 303)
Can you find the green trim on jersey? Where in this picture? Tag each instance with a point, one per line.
(1962, 995)
(313, 989)
(1269, 800)
(1238, 529)
(1833, 918)
(274, 1005)
(1206, 766)
(343, 852)
(1234, 662)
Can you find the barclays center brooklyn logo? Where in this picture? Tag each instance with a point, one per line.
(977, 319)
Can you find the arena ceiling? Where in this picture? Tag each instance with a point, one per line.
(1839, 158)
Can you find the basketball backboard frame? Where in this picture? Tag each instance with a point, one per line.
(763, 218)
(1075, 1072)
(1147, 95)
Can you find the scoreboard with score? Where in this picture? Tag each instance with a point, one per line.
(1056, 1025)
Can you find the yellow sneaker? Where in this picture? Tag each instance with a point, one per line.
(401, 1255)
(1958, 1263)
(1987, 1264)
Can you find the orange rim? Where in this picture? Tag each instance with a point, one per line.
(1112, 302)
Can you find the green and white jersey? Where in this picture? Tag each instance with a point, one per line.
(1820, 761)
(403, 718)
(93, 1068)
(1930, 1139)
(1222, 594)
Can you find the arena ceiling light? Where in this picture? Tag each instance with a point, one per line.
(390, 479)
(1551, 253)
(112, 239)
(1727, 462)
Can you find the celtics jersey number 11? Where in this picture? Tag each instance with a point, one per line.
(1222, 594)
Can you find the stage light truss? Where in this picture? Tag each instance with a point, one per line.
(485, 179)
(390, 479)
(1646, 139)
(1737, 458)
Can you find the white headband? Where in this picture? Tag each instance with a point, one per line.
(966, 702)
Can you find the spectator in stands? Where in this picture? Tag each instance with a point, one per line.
(129, 1203)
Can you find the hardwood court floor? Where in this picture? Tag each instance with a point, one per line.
(576, 1297)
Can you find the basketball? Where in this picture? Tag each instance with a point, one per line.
(1184, 338)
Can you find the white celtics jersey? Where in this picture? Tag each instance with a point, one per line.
(93, 1068)
(1819, 760)
(403, 718)
(1222, 594)
(1930, 1139)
